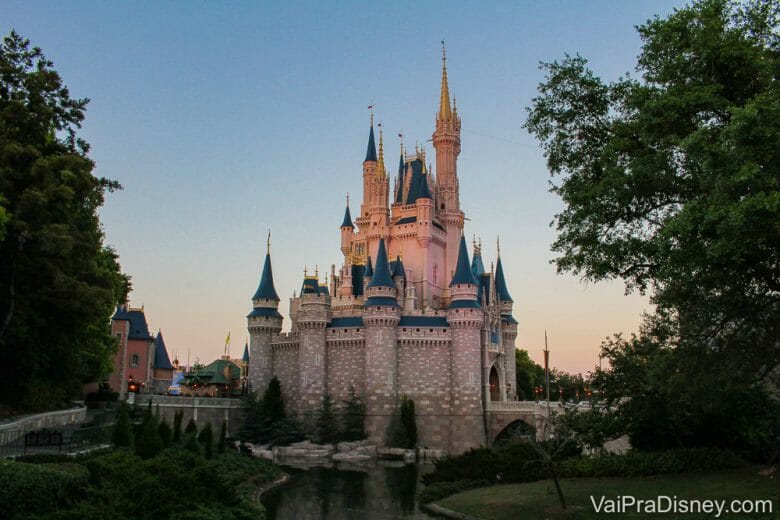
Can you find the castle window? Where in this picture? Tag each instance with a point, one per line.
(418, 330)
(134, 360)
(430, 330)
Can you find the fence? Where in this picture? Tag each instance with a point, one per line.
(18, 442)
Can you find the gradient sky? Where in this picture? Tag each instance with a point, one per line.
(222, 119)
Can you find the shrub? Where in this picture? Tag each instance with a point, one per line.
(164, 431)
(327, 425)
(515, 463)
(441, 490)
(408, 423)
(354, 417)
(149, 442)
(29, 489)
(123, 430)
(177, 417)
(191, 427)
(639, 463)
(222, 438)
(206, 438)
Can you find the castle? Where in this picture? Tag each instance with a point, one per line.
(407, 313)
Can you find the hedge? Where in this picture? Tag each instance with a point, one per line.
(29, 489)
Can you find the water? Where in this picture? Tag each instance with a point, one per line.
(348, 492)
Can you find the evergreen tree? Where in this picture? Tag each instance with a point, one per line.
(191, 427)
(149, 442)
(222, 438)
(408, 423)
(354, 417)
(165, 433)
(206, 439)
(177, 418)
(123, 429)
(273, 403)
(327, 425)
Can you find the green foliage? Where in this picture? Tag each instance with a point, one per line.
(120, 484)
(286, 431)
(594, 427)
(164, 431)
(441, 490)
(30, 489)
(60, 282)
(354, 417)
(515, 463)
(222, 443)
(328, 430)
(123, 430)
(408, 423)
(265, 421)
(273, 403)
(191, 444)
(528, 375)
(637, 463)
(177, 418)
(148, 444)
(191, 428)
(206, 439)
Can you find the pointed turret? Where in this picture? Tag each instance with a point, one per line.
(445, 109)
(381, 277)
(381, 160)
(369, 269)
(371, 149)
(266, 289)
(501, 290)
(399, 196)
(347, 218)
(398, 267)
(161, 359)
(463, 274)
(418, 187)
(245, 357)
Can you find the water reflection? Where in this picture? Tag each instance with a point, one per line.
(348, 492)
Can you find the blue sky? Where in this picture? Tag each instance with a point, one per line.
(222, 119)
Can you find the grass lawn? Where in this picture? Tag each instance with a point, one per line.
(537, 500)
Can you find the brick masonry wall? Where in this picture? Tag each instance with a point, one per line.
(203, 410)
(285, 368)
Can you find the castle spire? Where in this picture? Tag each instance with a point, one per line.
(347, 223)
(266, 289)
(445, 110)
(399, 196)
(501, 291)
(463, 274)
(381, 277)
(381, 160)
(371, 149)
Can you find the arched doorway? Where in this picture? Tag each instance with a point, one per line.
(495, 388)
(515, 431)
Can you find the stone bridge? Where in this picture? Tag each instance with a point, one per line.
(505, 415)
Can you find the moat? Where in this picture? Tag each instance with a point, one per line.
(348, 492)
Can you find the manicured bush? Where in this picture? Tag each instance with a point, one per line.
(328, 430)
(29, 489)
(441, 490)
(639, 463)
(149, 442)
(164, 431)
(177, 417)
(354, 417)
(515, 463)
(191, 427)
(206, 439)
(123, 429)
(408, 423)
(222, 442)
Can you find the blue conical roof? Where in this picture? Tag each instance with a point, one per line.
(371, 150)
(398, 267)
(477, 267)
(381, 277)
(161, 359)
(266, 288)
(418, 187)
(347, 219)
(463, 274)
(399, 196)
(501, 290)
(245, 357)
(369, 268)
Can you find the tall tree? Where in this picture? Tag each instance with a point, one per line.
(59, 283)
(354, 416)
(671, 180)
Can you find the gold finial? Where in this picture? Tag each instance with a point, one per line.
(445, 112)
(381, 161)
(498, 248)
(316, 271)
(268, 242)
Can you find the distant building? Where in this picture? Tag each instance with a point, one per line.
(141, 363)
(220, 378)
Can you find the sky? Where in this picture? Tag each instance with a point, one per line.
(223, 120)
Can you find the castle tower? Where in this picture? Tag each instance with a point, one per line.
(381, 315)
(446, 141)
(313, 317)
(347, 230)
(466, 317)
(508, 325)
(263, 323)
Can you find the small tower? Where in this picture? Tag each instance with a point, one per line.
(263, 323)
(313, 317)
(465, 316)
(381, 315)
(508, 324)
(347, 230)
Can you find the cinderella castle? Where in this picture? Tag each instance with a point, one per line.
(406, 314)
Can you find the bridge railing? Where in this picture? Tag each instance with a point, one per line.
(539, 408)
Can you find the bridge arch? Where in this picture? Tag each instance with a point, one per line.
(515, 430)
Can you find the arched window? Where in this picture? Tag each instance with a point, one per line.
(134, 360)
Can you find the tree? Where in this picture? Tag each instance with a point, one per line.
(670, 183)
(206, 438)
(273, 403)
(408, 423)
(177, 418)
(123, 429)
(222, 437)
(328, 430)
(149, 443)
(528, 375)
(59, 282)
(354, 417)
(164, 431)
(191, 427)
